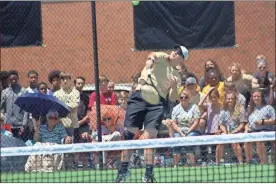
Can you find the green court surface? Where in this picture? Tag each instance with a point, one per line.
(230, 173)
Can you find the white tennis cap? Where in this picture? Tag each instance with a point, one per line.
(184, 51)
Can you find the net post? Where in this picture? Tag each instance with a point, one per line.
(96, 73)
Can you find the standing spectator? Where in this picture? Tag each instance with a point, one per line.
(3, 80)
(106, 98)
(232, 121)
(54, 79)
(241, 80)
(213, 78)
(185, 120)
(210, 64)
(272, 94)
(15, 118)
(82, 119)
(71, 97)
(33, 81)
(261, 118)
(135, 79)
(42, 87)
(262, 78)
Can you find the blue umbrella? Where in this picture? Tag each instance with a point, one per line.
(39, 104)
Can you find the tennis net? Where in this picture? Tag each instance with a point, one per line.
(172, 160)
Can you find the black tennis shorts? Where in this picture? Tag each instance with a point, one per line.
(140, 113)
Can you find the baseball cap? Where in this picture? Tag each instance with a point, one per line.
(184, 51)
(190, 80)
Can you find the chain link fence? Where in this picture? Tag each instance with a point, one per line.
(67, 46)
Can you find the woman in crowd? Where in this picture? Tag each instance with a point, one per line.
(209, 64)
(185, 120)
(261, 118)
(232, 121)
(241, 80)
(213, 78)
(262, 78)
(53, 131)
(230, 86)
(209, 121)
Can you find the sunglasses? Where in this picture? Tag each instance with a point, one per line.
(107, 118)
(53, 118)
(262, 67)
(184, 97)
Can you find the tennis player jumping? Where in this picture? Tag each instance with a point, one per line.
(159, 80)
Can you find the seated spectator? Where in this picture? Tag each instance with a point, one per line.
(210, 64)
(54, 79)
(261, 118)
(184, 77)
(209, 121)
(33, 81)
(109, 120)
(213, 78)
(231, 87)
(262, 78)
(181, 68)
(122, 99)
(211, 113)
(106, 97)
(241, 80)
(53, 131)
(185, 120)
(232, 120)
(191, 87)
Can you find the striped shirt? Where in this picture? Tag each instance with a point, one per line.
(55, 136)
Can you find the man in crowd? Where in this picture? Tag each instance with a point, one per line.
(106, 97)
(82, 120)
(33, 81)
(54, 79)
(14, 117)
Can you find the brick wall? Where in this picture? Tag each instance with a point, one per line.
(67, 33)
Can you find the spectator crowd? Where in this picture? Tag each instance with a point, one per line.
(212, 104)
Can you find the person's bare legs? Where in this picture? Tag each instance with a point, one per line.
(176, 159)
(261, 151)
(219, 153)
(248, 148)
(238, 152)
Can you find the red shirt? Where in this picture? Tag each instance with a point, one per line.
(106, 99)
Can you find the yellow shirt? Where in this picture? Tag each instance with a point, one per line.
(160, 73)
(220, 88)
(72, 100)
